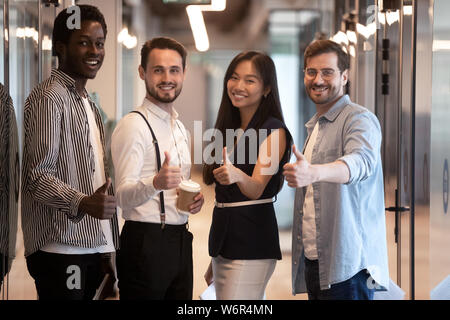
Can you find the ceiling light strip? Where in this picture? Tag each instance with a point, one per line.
(197, 22)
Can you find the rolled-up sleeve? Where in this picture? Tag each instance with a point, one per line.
(362, 143)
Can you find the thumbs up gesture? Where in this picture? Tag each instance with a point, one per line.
(99, 205)
(168, 177)
(300, 173)
(227, 173)
(104, 188)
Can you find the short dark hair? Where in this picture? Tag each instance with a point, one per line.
(162, 43)
(318, 47)
(62, 33)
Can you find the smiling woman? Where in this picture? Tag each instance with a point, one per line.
(243, 239)
(246, 89)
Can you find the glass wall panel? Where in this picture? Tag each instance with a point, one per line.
(440, 155)
(23, 77)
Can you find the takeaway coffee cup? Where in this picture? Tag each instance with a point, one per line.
(188, 189)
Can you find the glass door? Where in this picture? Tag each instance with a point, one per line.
(402, 112)
(440, 155)
(9, 161)
(29, 62)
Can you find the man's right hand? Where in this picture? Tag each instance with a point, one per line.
(168, 177)
(99, 205)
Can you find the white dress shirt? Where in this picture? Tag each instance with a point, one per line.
(134, 159)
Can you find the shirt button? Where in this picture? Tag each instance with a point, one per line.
(298, 238)
(295, 262)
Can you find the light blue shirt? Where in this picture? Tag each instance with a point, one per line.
(350, 218)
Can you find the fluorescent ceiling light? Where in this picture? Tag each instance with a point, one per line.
(198, 28)
(27, 33)
(216, 5)
(197, 22)
(392, 16)
(46, 43)
(381, 17)
(363, 30)
(441, 45)
(340, 38)
(407, 10)
(351, 35)
(126, 39)
(122, 35)
(352, 51)
(366, 31)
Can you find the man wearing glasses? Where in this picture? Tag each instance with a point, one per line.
(339, 233)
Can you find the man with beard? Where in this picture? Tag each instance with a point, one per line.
(69, 219)
(151, 155)
(339, 233)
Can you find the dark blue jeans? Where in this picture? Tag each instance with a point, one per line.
(354, 288)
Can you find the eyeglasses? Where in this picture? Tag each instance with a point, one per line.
(326, 74)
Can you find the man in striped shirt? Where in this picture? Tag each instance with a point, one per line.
(69, 218)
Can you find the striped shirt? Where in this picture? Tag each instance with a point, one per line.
(8, 179)
(58, 168)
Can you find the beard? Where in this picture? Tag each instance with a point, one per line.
(166, 98)
(332, 93)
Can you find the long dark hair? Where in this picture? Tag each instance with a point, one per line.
(229, 116)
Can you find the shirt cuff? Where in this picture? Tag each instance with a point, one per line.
(352, 167)
(150, 190)
(75, 215)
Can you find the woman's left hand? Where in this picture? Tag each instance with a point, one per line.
(227, 173)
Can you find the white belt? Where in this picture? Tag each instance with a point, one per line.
(243, 203)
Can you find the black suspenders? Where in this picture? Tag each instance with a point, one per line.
(158, 161)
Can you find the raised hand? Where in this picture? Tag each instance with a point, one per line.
(299, 173)
(227, 173)
(168, 177)
(99, 205)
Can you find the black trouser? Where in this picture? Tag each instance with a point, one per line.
(65, 276)
(4, 264)
(155, 263)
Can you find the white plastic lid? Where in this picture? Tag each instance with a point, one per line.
(190, 186)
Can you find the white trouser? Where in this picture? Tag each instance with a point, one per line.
(241, 279)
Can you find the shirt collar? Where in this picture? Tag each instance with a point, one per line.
(67, 81)
(332, 113)
(160, 113)
(63, 78)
